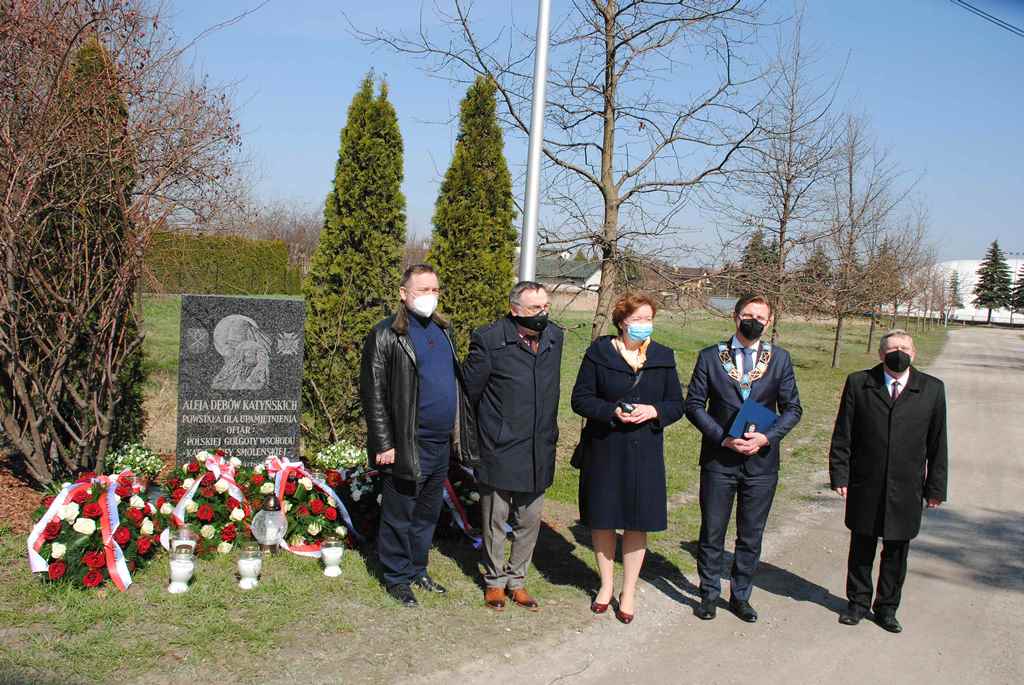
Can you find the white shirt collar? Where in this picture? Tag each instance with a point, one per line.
(737, 345)
(889, 380)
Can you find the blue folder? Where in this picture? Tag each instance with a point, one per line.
(752, 413)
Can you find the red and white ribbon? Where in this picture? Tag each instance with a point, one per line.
(459, 515)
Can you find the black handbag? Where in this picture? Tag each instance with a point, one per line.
(578, 452)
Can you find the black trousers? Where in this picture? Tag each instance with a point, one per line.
(891, 573)
(753, 496)
(408, 516)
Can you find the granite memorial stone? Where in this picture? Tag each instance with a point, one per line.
(240, 376)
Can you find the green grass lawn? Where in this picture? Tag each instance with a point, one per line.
(299, 617)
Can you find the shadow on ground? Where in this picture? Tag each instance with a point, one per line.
(988, 547)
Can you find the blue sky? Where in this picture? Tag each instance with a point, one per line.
(944, 91)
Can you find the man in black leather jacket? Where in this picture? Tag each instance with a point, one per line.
(417, 418)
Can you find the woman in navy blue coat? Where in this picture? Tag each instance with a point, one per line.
(628, 390)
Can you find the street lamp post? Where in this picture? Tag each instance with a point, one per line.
(528, 243)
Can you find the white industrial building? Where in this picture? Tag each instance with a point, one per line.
(968, 271)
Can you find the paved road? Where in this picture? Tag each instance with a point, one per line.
(963, 602)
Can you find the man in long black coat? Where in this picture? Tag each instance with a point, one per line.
(512, 378)
(888, 455)
(743, 469)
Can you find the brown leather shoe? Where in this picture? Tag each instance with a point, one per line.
(521, 597)
(494, 598)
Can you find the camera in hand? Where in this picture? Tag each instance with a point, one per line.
(626, 407)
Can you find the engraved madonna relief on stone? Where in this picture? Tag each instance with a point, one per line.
(246, 352)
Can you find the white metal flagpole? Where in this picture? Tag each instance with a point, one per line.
(528, 243)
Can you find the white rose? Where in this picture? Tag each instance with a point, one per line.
(259, 468)
(306, 483)
(313, 528)
(188, 482)
(85, 526)
(146, 527)
(207, 531)
(57, 550)
(342, 531)
(237, 514)
(203, 456)
(266, 488)
(192, 507)
(69, 512)
(221, 486)
(356, 494)
(286, 506)
(235, 461)
(224, 547)
(137, 502)
(166, 509)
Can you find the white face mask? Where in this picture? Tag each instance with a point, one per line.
(424, 305)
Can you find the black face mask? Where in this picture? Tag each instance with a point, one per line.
(537, 322)
(751, 329)
(897, 361)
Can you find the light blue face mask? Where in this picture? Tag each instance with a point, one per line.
(639, 332)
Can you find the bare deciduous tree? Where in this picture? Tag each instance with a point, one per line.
(632, 129)
(66, 332)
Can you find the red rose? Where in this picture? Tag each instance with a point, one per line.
(143, 545)
(208, 478)
(207, 492)
(233, 503)
(205, 513)
(92, 510)
(160, 502)
(57, 570)
(229, 533)
(331, 514)
(193, 467)
(135, 515)
(174, 483)
(302, 511)
(124, 479)
(124, 491)
(86, 477)
(52, 529)
(316, 505)
(48, 500)
(289, 488)
(92, 578)
(257, 479)
(94, 560)
(334, 479)
(79, 496)
(219, 452)
(122, 535)
(178, 494)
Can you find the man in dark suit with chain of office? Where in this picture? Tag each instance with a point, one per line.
(888, 457)
(745, 469)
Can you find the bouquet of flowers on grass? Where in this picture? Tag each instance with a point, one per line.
(140, 460)
(206, 494)
(312, 507)
(340, 456)
(94, 530)
(360, 489)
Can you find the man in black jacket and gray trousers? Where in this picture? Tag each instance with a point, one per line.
(512, 377)
(888, 457)
(417, 418)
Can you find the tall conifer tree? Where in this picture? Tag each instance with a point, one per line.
(992, 290)
(354, 274)
(474, 242)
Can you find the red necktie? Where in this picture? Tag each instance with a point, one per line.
(895, 390)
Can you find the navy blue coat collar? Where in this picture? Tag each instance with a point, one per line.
(602, 352)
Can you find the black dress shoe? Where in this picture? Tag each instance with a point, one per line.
(743, 610)
(427, 583)
(706, 610)
(852, 615)
(403, 594)
(887, 620)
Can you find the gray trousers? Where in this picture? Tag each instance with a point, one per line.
(524, 510)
